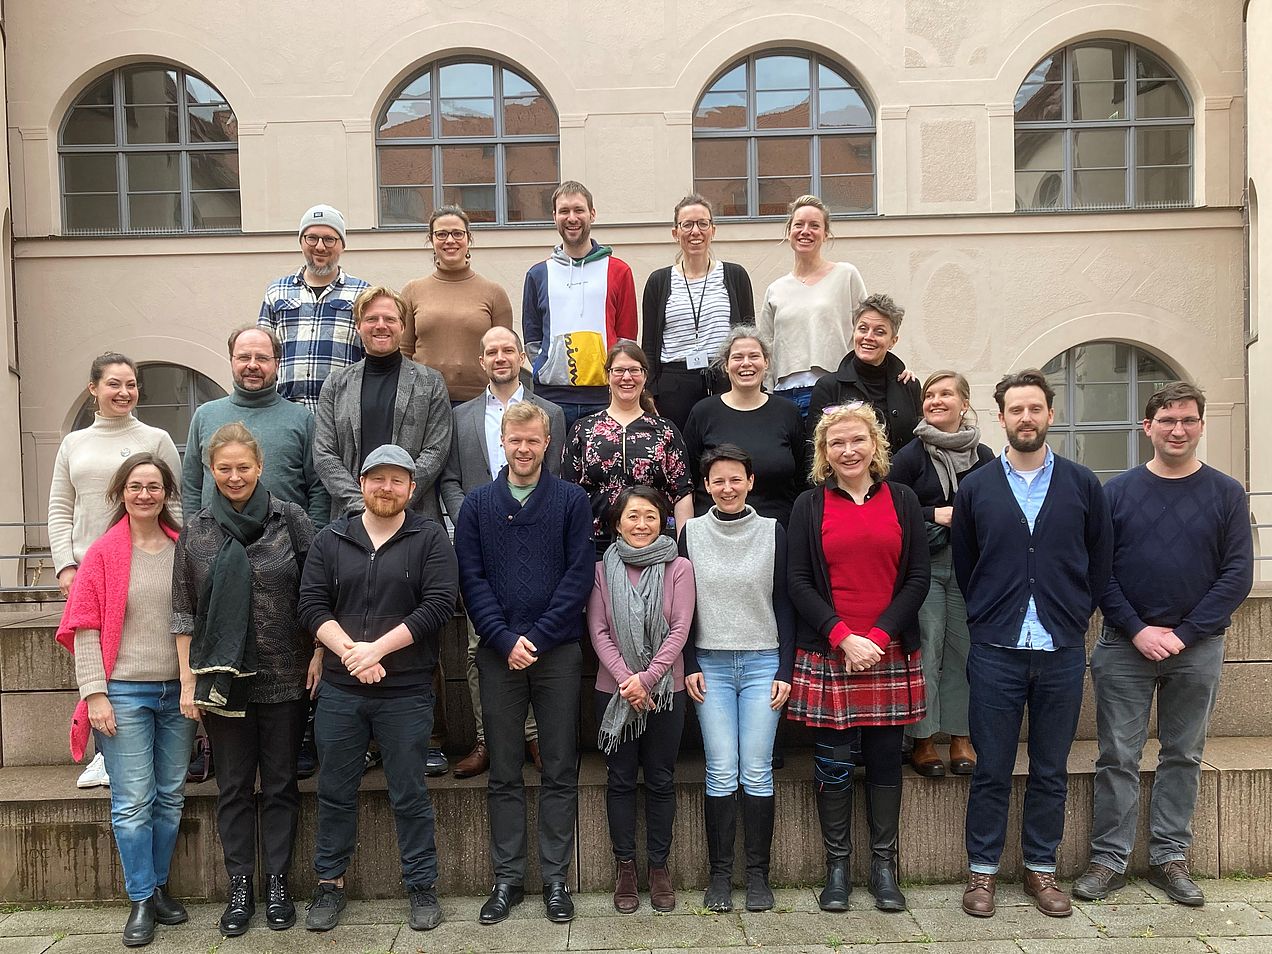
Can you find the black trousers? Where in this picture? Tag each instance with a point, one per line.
(678, 388)
(264, 742)
(552, 686)
(655, 752)
(880, 749)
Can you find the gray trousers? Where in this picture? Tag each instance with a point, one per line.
(944, 645)
(474, 690)
(1186, 686)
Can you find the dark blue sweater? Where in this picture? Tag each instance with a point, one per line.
(1064, 564)
(1183, 554)
(526, 569)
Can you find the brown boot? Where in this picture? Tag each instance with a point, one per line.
(626, 900)
(926, 760)
(662, 896)
(962, 755)
(475, 762)
(1048, 898)
(978, 896)
(532, 753)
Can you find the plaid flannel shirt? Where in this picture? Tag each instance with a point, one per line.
(316, 331)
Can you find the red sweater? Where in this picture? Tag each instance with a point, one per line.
(862, 544)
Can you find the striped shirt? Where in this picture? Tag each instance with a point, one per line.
(316, 329)
(708, 298)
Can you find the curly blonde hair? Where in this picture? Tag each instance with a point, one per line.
(857, 411)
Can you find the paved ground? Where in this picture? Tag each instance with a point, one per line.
(1236, 920)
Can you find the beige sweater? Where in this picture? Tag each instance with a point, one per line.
(78, 510)
(147, 650)
(811, 325)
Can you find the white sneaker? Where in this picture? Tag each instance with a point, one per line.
(95, 774)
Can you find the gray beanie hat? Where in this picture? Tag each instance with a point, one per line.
(324, 215)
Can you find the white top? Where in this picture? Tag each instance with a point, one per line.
(494, 421)
(706, 297)
(810, 325)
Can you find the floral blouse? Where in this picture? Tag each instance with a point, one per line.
(605, 458)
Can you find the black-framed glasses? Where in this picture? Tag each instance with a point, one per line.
(441, 235)
(700, 224)
(328, 241)
(621, 373)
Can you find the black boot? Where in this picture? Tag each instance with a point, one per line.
(834, 809)
(883, 811)
(280, 910)
(239, 908)
(722, 824)
(139, 929)
(168, 910)
(757, 835)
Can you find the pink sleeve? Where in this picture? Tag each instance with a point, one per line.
(683, 596)
(598, 627)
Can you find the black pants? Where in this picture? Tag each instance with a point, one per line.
(678, 388)
(880, 749)
(655, 752)
(552, 686)
(265, 741)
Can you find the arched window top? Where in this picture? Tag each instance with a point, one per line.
(472, 132)
(779, 124)
(1103, 124)
(149, 148)
(169, 396)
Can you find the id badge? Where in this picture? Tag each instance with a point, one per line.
(696, 360)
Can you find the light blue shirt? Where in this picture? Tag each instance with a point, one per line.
(1030, 496)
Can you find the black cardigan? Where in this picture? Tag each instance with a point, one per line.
(809, 586)
(913, 467)
(904, 402)
(654, 308)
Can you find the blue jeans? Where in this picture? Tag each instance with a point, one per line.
(738, 724)
(1002, 683)
(343, 725)
(146, 759)
(574, 411)
(800, 397)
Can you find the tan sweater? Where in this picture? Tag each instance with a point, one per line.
(147, 651)
(446, 317)
(810, 325)
(78, 510)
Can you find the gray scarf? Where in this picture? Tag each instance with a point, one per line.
(639, 630)
(952, 454)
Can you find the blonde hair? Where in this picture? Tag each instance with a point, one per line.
(368, 295)
(960, 385)
(803, 202)
(234, 433)
(857, 411)
(524, 412)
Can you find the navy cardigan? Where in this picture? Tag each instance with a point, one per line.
(1064, 564)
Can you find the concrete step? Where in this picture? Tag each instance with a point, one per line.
(56, 845)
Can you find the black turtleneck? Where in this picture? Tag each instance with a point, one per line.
(874, 384)
(379, 398)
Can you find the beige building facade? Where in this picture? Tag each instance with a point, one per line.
(923, 97)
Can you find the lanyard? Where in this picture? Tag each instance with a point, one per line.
(696, 312)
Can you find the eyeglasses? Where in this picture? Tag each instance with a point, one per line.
(621, 373)
(700, 224)
(257, 358)
(153, 489)
(1170, 423)
(441, 235)
(328, 241)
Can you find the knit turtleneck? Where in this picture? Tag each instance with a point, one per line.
(726, 517)
(379, 399)
(383, 364)
(265, 397)
(454, 275)
(102, 422)
(733, 557)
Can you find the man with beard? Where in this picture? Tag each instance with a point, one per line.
(285, 431)
(1032, 549)
(524, 541)
(476, 456)
(377, 589)
(311, 310)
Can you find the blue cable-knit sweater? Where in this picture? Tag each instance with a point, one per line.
(526, 569)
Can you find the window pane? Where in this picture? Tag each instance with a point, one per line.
(154, 212)
(1099, 61)
(1162, 146)
(213, 170)
(1148, 368)
(1148, 66)
(144, 124)
(215, 210)
(1104, 188)
(468, 117)
(1159, 99)
(90, 125)
(1097, 149)
(721, 111)
(529, 116)
(1097, 403)
(727, 196)
(1041, 102)
(846, 154)
(1167, 185)
(531, 163)
(405, 118)
(213, 124)
(719, 157)
(101, 93)
(1101, 362)
(173, 419)
(842, 107)
(86, 213)
(418, 87)
(781, 72)
(828, 78)
(784, 110)
(1096, 102)
(1039, 190)
(776, 195)
(406, 165)
(200, 91)
(1143, 448)
(778, 157)
(466, 79)
(848, 193)
(514, 85)
(468, 164)
(477, 200)
(1058, 441)
(1105, 452)
(1040, 150)
(731, 81)
(150, 87)
(154, 172)
(91, 173)
(405, 206)
(530, 203)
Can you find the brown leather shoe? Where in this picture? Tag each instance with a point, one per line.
(978, 896)
(962, 755)
(1048, 898)
(474, 763)
(926, 760)
(532, 753)
(662, 896)
(626, 900)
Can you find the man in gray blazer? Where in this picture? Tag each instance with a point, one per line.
(476, 456)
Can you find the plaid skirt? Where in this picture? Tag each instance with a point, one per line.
(826, 694)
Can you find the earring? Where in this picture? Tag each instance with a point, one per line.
(468, 256)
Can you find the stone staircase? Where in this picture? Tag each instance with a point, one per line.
(56, 844)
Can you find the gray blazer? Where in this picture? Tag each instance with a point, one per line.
(468, 466)
(421, 425)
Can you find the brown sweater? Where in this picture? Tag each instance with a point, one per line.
(447, 313)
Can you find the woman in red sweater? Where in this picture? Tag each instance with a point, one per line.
(858, 565)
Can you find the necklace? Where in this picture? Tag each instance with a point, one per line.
(804, 279)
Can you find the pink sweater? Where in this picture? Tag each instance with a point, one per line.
(678, 603)
(99, 600)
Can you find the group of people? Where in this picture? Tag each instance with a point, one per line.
(755, 514)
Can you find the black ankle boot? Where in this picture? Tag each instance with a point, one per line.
(139, 929)
(722, 820)
(280, 910)
(239, 908)
(883, 811)
(757, 836)
(168, 910)
(834, 810)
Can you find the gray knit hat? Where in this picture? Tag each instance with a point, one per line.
(388, 454)
(324, 215)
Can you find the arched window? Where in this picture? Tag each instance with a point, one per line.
(1103, 125)
(776, 126)
(168, 399)
(1101, 389)
(150, 148)
(474, 133)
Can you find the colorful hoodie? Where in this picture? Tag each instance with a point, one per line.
(573, 311)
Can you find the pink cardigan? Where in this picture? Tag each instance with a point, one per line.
(678, 603)
(98, 600)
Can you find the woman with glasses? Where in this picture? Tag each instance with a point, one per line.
(448, 311)
(687, 310)
(627, 444)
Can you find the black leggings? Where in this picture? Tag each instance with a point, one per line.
(880, 753)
